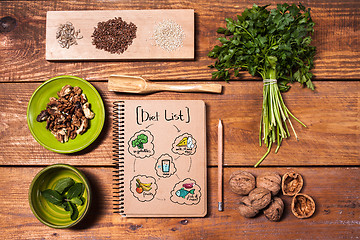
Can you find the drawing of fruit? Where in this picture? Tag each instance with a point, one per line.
(139, 189)
(143, 186)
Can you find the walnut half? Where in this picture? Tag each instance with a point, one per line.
(292, 183)
(302, 206)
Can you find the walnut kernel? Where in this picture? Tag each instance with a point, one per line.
(302, 206)
(275, 209)
(242, 182)
(292, 183)
(67, 116)
(270, 181)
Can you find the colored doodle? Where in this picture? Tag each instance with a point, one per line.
(143, 188)
(186, 192)
(165, 166)
(184, 144)
(141, 144)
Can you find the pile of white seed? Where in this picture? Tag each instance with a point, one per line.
(66, 35)
(168, 35)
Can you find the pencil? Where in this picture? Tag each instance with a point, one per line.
(220, 163)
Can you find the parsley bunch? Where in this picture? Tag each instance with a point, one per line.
(276, 46)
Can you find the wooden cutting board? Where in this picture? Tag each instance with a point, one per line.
(143, 46)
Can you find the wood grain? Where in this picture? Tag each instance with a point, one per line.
(335, 191)
(336, 37)
(331, 114)
(143, 45)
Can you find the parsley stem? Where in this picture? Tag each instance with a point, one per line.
(261, 159)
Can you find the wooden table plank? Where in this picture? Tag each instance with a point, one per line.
(335, 191)
(23, 50)
(331, 114)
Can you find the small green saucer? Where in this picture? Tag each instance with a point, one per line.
(48, 213)
(38, 102)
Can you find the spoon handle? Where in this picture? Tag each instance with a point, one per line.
(206, 87)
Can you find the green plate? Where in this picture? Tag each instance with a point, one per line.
(48, 213)
(38, 102)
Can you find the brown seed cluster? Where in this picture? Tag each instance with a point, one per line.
(114, 35)
(67, 116)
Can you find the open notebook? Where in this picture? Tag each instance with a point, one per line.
(160, 151)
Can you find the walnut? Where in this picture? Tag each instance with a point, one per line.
(65, 90)
(274, 211)
(87, 112)
(83, 127)
(242, 182)
(269, 180)
(246, 209)
(292, 183)
(302, 206)
(67, 116)
(77, 90)
(42, 116)
(260, 198)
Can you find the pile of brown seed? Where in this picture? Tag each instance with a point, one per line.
(114, 35)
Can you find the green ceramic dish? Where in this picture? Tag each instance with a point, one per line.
(48, 213)
(38, 102)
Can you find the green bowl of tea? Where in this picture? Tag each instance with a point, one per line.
(60, 196)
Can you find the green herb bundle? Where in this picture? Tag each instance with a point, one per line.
(66, 194)
(276, 46)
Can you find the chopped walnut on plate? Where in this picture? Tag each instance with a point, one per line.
(68, 115)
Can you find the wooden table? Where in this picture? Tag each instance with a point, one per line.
(327, 154)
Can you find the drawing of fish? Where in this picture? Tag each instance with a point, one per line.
(183, 193)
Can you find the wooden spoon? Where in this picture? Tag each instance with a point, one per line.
(130, 84)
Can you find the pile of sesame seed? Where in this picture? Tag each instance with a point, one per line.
(168, 35)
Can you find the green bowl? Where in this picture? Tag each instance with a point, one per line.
(38, 102)
(48, 213)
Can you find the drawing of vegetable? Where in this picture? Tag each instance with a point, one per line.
(139, 141)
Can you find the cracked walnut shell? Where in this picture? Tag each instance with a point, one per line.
(242, 182)
(269, 180)
(302, 206)
(260, 198)
(275, 209)
(292, 183)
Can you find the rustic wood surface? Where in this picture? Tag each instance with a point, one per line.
(333, 189)
(331, 138)
(327, 154)
(23, 49)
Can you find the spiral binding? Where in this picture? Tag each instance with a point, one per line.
(118, 156)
